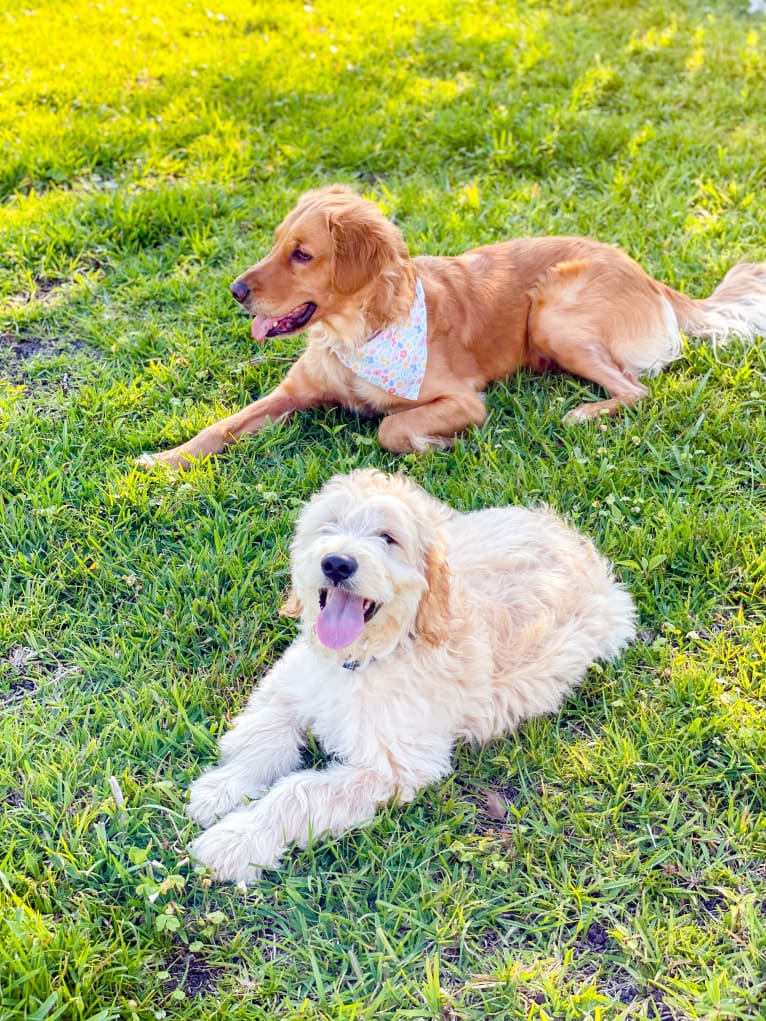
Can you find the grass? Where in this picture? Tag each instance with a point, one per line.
(148, 152)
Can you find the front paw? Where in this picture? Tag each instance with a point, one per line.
(214, 794)
(235, 851)
(177, 459)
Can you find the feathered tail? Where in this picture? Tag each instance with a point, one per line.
(736, 308)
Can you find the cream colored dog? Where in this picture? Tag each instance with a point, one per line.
(420, 627)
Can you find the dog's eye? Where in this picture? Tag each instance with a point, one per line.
(300, 256)
(388, 538)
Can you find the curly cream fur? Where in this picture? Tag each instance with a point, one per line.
(483, 620)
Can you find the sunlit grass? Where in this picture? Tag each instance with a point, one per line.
(148, 152)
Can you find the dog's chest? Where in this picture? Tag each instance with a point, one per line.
(343, 718)
(361, 715)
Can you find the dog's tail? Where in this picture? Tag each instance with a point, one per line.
(736, 308)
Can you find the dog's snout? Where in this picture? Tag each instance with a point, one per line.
(338, 568)
(240, 290)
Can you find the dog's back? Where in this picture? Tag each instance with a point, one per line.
(548, 605)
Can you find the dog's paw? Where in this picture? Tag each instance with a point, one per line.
(171, 459)
(147, 461)
(215, 794)
(234, 851)
(420, 444)
(575, 416)
(588, 412)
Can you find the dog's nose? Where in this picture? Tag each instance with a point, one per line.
(240, 290)
(338, 568)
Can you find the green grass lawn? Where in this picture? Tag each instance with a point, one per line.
(147, 152)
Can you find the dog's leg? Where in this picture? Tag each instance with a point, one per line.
(298, 391)
(576, 350)
(431, 425)
(263, 745)
(593, 323)
(214, 438)
(300, 806)
(596, 364)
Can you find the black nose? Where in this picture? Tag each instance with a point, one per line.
(240, 290)
(338, 568)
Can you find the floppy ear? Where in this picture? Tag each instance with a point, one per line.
(432, 620)
(292, 606)
(364, 244)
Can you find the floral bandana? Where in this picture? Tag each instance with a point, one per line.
(395, 357)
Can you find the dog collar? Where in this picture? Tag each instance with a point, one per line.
(395, 357)
(354, 664)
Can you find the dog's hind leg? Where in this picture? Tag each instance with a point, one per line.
(607, 321)
(599, 340)
(595, 363)
(431, 425)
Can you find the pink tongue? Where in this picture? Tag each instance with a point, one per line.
(261, 326)
(341, 620)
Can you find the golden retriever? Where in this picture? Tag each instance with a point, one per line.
(340, 268)
(420, 626)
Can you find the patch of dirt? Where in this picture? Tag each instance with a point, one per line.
(645, 635)
(15, 664)
(16, 351)
(595, 940)
(511, 930)
(192, 973)
(17, 691)
(22, 667)
(620, 986)
(511, 793)
(492, 802)
(44, 291)
(658, 1010)
(451, 956)
(490, 942)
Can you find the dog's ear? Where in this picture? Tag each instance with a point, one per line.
(292, 606)
(432, 620)
(364, 244)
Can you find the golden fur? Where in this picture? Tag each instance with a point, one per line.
(541, 303)
(482, 620)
